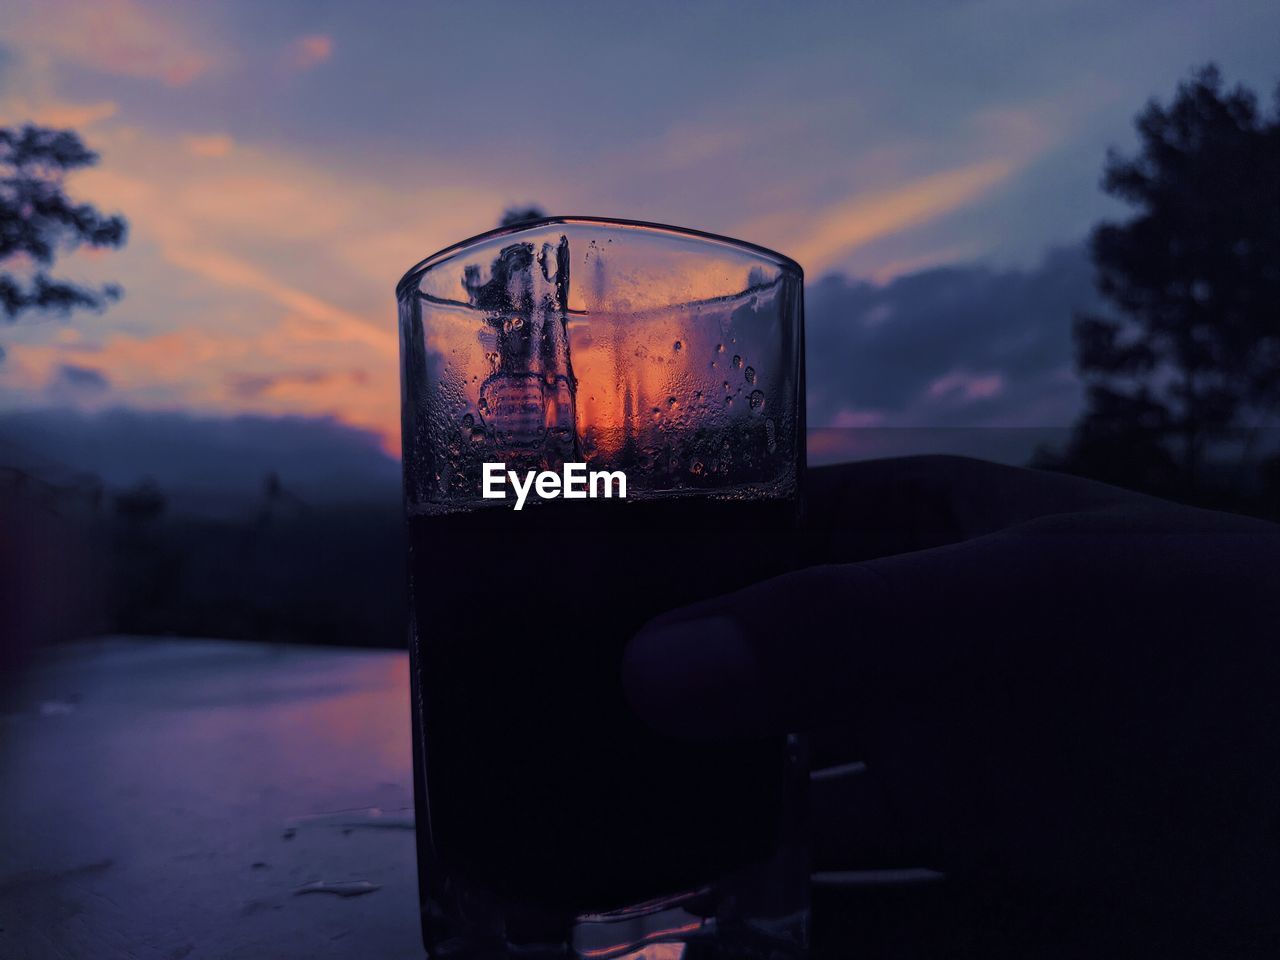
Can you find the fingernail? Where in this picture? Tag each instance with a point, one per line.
(694, 678)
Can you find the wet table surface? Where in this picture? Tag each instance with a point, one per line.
(168, 799)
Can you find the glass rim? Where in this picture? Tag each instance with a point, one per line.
(419, 269)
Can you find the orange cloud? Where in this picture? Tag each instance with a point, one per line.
(820, 240)
(261, 283)
(55, 113)
(967, 386)
(114, 36)
(210, 145)
(954, 253)
(221, 370)
(309, 51)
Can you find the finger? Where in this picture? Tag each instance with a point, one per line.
(875, 508)
(1001, 614)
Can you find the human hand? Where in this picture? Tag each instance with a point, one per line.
(1064, 692)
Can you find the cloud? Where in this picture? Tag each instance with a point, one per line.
(120, 37)
(87, 379)
(967, 386)
(275, 369)
(56, 113)
(259, 283)
(309, 51)
(255, 385)
(948, 347)
(209, 145)
(820, 240)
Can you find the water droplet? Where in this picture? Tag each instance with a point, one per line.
(468, 420)
(672, 402)
(477, 436)
(677, 346)
(719, 348)
(756, 399)
(750, 374)
(483, 406)
(492, 357)
(727, 388)
(696, 467)
(737, 361)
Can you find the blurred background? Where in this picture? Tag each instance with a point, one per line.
(1042, 233)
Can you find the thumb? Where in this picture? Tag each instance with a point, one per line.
(773, 657)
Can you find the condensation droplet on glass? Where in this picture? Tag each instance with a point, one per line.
(750, 374)
(696, 467)
(677, 346)
(770, 432)
(756, 399)
(719, 348)
(727, 388)
(737, 361)
(468, 420)
(672, 402)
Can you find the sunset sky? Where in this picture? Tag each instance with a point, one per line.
(281, 164)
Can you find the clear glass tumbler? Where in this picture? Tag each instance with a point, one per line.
(551, 820)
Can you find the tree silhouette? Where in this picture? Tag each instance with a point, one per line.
(513, 216)
(38, 219)
(1192, 355)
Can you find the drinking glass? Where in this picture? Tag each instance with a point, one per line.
(551, 820)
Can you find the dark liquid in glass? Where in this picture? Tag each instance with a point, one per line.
(542, 787)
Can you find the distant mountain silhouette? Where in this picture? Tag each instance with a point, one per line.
(204, 464)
